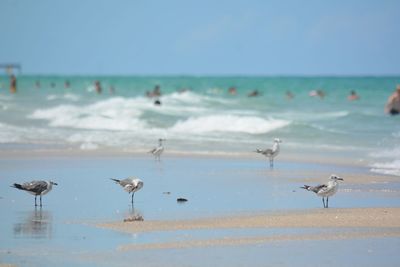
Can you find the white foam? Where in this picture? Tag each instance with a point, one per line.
(185, 97)
(111, 114)
(120, 113)
(191, 98)
(389, 162)
(228, 123)
(386, 153)
(14, 134)
(89, 146)
(9, 134)
(67, 96)
(303, 116)
(51, 97)
(391, 168)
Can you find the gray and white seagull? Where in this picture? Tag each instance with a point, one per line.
(130, 185)
(271, 153)
(325, 190)
(36, 188)
(157, 151)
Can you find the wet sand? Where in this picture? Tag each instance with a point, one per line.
(366, 217)
(369, 222)
(234, 241)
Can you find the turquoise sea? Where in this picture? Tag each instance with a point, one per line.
(199, 115)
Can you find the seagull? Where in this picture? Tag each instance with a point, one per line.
(271, 153)
(157, 151)
(130, 185)
(325, 190)
(36, 188)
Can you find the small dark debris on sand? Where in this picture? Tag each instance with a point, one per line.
(137, 218)
(181, 200)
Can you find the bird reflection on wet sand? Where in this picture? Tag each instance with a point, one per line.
(37, 224)
(133, 215)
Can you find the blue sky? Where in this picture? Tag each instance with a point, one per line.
(207, 37)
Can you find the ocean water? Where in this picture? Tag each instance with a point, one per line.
(205, 117)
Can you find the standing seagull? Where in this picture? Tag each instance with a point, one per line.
(271, 153)
(36, 188)
(130, 185)
(325, 190)
(157, 151)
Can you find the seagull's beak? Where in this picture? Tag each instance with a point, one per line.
(55, 183)
(341, 179)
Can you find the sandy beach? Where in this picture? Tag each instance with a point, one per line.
(365, 223)
(234, 204)
(329, 218)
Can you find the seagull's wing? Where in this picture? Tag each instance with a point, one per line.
(125, 182)
(264, 151)
(319, 188)
(35, 186)
(158, 150)
(267, 152)
(326, 189)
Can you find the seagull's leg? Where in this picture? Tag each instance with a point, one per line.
(40, 200)
(323, 201)
(35, 201)
(327, 198)
(133, 193)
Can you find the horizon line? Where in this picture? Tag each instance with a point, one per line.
(211, 75)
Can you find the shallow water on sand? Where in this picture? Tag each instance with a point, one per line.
(214, 187)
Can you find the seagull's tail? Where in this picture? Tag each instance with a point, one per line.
(116, 180)
(306, 187)
(18, 186)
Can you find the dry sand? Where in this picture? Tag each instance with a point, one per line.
(232, 241)
(366, 223)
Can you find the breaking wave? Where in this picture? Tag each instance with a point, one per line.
(229, 123)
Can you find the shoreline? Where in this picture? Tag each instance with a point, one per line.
(360, 174)
(325, 157)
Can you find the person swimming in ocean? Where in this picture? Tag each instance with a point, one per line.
(97, 86)
(393, 104)
(155, 93)
(253, 93)
(353, 96)
(289, 95)
(13, 84)
(319, 93)
(232, 90)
